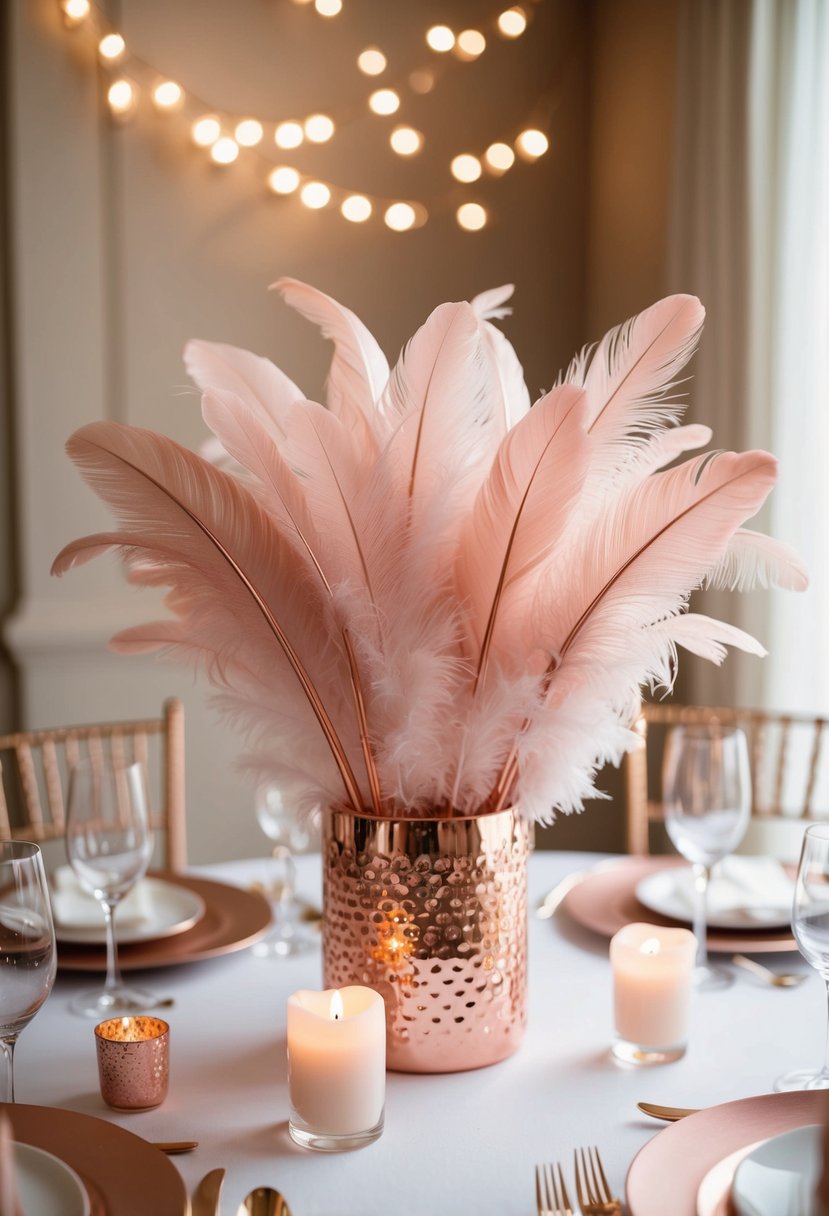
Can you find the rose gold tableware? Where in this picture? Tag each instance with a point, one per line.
(206, 1197)
(777, 979)
(592, 1188)
(265, 1201)
(669, 1113)
(551, 1198)
(171, 1147)
(133, 1061)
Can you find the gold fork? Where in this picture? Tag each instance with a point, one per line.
(592, 1189)
(551, 1196)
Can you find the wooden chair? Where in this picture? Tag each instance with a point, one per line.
(34, 768)
(789, 757)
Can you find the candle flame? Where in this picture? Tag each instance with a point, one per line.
(335, 1011)
(650, 946)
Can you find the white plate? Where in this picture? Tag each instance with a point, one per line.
(658, 891)
(779, 1177)
(173, 909)
(46, 1185)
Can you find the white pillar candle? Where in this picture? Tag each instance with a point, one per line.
(336, 1066)
(652, 976)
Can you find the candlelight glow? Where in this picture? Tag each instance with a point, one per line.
(335, 1011)
(650, 946)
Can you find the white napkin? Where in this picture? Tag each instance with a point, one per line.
(74, 907)
(755, 887)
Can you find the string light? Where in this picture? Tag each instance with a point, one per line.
(167, 95)
(470, 44)
(74, 11)
(371, 61)
(471, 216)
(121, 96)
(499, 157)
(111, 47)
(466, 168)
(224, 151)
(328, 8)
(532, 143)
(400, 217)
(422, 80)
(384, 101)
(315, 195)
(206, 130)
(512, 23)
(319, 128)
(440, 39)
(248, 133)
(283, 179)
(406, 141)
(289, 135)
(356, 208)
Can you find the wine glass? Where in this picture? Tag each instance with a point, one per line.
(108, 844)
(707, 797)
(289, 835)
(27, 947)
(810, 925)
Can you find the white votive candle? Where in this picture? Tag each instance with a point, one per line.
(336, 1067)
(652, 973)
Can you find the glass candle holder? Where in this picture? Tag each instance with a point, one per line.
(652, 979)
(336, 1067)
(133, 1062)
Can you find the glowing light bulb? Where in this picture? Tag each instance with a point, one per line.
(283, 180)
(167, 95)
(371, 61)
(319, 128)
(74, 11)
(206, 130)
(122, 97)
(384, 101)
(422, 81)
(356, 208)
(532, 143)
(470, 44)
(440, 38)
(248, 132)
(289, 135)
(315, 195)
(400, 216)
(224, 151)
(466, 168)
(472, 216)
(406, 141)
(111, 47)
(328, 8)
(512, 22)
(499, 157)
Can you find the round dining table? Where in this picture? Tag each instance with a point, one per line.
(456, 1144)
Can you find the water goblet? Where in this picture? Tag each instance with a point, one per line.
(707, 798)
(810, 925)
(27, 947)
(108, 844)
(289, 836)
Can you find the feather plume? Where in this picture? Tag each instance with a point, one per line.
(265, 390)
(752, 558)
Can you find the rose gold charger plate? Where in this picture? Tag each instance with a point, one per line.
(233, 919)
(667, 1173)
(605, 901)
(123, 1174)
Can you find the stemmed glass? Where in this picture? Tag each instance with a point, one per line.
(707, 797)
(289, 836)
(810, 924)
(108, 844)
(27, 947)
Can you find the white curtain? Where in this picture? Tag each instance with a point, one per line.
(751, 238)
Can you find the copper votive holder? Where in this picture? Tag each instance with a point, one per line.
(133, 1062)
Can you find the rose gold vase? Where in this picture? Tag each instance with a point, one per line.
(432, 913)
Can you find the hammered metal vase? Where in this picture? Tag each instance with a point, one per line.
(432, 913)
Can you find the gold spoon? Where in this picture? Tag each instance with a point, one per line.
(669, 1113)
(264, 1201)
(777, 979)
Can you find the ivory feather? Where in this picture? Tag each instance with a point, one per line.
(752, 558)
(265, 390)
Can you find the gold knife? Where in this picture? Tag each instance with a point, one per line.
(205, 1201)
(669, 1113)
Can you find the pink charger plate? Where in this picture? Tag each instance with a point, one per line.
(606, 900)
(666, 1174)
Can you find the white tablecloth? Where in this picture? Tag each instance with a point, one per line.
(455, 1144)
